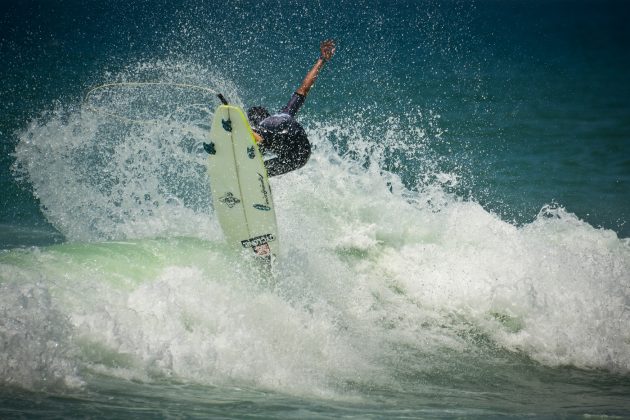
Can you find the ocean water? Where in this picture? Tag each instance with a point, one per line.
(457, 246)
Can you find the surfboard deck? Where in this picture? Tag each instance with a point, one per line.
(241, 194)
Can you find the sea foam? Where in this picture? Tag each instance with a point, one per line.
(385, 274)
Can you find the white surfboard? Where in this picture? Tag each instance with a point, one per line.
(241, 194)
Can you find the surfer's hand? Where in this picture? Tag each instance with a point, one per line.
(327, 49)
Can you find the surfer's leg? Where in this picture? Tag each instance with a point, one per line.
(292, 155)
(284, 137)
(275, 167)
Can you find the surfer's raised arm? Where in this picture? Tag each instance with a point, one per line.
(327, 50)
(280, 134)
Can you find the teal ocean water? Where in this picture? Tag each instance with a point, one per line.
(457, 246)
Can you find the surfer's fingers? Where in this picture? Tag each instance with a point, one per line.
(328, 48)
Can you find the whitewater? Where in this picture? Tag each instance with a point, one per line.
(376, 283)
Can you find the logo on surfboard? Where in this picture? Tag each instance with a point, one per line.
(261, 207)
(250, 152)
(209, 148)
(258, 240)
(263, 190)
(229, 200)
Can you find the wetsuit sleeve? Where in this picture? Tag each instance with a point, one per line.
(294, 104)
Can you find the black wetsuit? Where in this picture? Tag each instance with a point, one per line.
(284, 137)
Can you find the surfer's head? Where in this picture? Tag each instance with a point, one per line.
(256, 114)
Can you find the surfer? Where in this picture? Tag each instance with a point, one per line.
(280, 134)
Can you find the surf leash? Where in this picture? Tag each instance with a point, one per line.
(103, 111)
